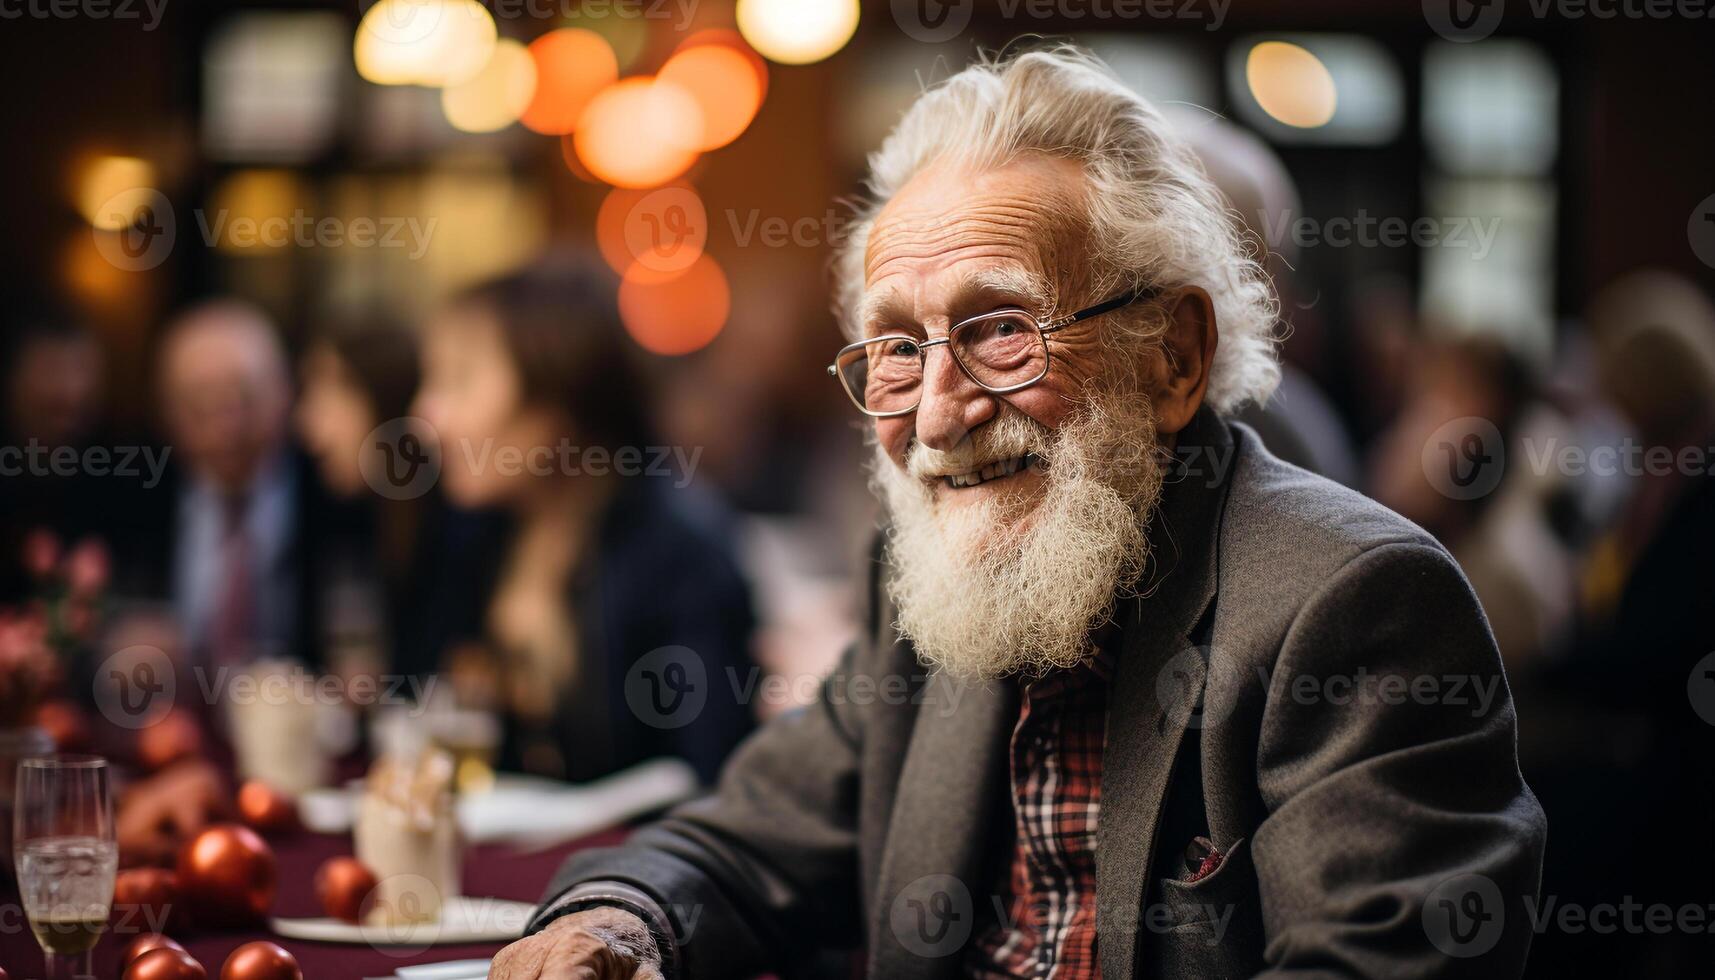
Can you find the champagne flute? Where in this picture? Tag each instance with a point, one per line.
(67, 857)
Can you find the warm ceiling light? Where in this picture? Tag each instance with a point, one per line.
(423, 42)
(680, 315)
(112, 190)
(1291, 84)
(640, 132)
(797, 32)
(497, 95)
(572, 66)
(725, 87)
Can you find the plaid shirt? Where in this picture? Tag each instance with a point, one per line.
(1056, 759)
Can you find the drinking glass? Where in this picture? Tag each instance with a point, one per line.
(66, 854)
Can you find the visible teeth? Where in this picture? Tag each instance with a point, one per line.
(999, 468)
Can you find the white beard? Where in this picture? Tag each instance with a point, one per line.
(1015, 585)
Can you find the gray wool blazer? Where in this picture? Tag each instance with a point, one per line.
(1307, 682)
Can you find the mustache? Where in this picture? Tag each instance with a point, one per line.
(1008, 436)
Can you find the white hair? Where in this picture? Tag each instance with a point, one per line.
(1154, 217)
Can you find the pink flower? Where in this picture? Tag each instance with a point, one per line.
(87, 567)
(41, 552)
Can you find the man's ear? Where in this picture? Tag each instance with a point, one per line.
(1187, 350)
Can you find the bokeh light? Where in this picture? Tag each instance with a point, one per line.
(1291, 84)
(257, 209)
(496, 96)
(112, 189)
(677, 316)
(724, 86)
(797, 32)
(572, 66)
(641, 132)
(653, 234)
(720, 36)
(424, 42)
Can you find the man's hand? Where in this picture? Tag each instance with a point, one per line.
(161, 812)
(595, 944)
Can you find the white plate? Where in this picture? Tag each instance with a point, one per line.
(463, 920)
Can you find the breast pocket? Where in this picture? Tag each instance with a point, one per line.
(1211, 927)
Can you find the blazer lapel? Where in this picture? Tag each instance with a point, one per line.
(934, 882)
(1157, 686)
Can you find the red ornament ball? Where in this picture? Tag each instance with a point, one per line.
(346, 888)
(144, 897)
(266, 808)
(261, 961)
(147, 942)
(165, 964)
(227, 876)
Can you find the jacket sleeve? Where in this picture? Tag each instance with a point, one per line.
(756, 874)
(1401, 840)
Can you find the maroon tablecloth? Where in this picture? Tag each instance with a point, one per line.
(488, 871)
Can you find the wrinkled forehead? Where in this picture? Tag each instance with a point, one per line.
(954, 234)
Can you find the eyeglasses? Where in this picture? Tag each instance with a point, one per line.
(1003, 352)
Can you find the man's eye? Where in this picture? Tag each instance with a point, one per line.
(902, 348)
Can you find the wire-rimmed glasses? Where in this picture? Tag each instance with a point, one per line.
(1003, 352)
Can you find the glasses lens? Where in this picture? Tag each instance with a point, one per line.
(884, 375)
(1002, 349)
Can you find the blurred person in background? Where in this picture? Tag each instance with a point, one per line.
(604, 562)
(1499, 530)
(395, 587)
(243, 526)
(52, 391)
(1634, 760)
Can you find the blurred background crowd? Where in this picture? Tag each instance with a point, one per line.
(264, 258)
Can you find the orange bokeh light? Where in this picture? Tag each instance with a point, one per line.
(680, 315)
(572, 66)
(641, 132)
(733, 40)
(652, 235)
(724, 85)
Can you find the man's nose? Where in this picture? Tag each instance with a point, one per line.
(952, 403)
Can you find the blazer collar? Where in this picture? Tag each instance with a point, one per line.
(1158, 683)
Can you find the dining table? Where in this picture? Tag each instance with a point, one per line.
(489, 870)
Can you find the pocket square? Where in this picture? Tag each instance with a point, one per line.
(1202, 859)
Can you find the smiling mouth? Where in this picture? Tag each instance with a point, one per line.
(997, 470)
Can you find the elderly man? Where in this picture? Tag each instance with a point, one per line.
(1188, 711)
